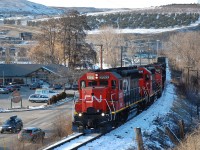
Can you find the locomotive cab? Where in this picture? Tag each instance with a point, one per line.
(145, 84)
(98, 98)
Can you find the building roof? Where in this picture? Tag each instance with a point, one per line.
(22, 70)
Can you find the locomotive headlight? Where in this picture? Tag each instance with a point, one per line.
(80, 114)
(103, 114)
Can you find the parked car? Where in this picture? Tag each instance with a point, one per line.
(57, 86)
(34, 86)
(16, 87)
(75, 87)
(45, 86)
(31, 134)
(10, 88)
(4, 91)
(38, 98)
(46, 92)
(68, 86)
(13, 125)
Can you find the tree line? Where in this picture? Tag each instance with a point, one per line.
(141, 20)
(62, 41)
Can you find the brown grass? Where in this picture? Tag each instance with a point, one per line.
(191, 142)
(15, 144)
(62, 126)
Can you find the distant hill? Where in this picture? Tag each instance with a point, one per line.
(16, 7)
(83, 10)
(174, 15)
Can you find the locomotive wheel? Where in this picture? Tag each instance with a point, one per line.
(80, 129)
(141, 106)
(125, 115)
(102, 129)
(153, 99)
(159, 94)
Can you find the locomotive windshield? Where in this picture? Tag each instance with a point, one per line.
(92, 83)
(103, 83)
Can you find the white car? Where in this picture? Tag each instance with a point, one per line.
(38, 98)
(46, 92)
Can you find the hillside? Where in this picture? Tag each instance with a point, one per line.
(83, 10)
(158, 17)
(16, 7)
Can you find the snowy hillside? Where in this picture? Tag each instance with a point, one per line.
(25, 7)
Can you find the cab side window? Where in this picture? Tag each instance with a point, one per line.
(147, 77)
(121, 85)
(82, 84)
(113, 84)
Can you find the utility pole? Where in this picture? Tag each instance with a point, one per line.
(121, 54)
(148, 52)
(157, 49)
(101, 55)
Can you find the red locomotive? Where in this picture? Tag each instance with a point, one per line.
(106, 97)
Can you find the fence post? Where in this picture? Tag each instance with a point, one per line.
(139, 139)
(182, 126)
(172, 136)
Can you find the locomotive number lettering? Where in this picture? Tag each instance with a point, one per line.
(104, 77)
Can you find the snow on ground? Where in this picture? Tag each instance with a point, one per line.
(148, 31)
(124, 137)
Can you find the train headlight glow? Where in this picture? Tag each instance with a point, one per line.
(103, 114)
(79, 114)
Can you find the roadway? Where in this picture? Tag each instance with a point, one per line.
(43, 119)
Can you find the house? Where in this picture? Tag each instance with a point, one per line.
(29, 73)
(26, 35)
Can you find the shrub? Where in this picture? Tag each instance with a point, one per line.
(59, 97)
(54, 99)
(61, 127)
(64, 95)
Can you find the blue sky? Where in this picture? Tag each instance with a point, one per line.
(111, 3)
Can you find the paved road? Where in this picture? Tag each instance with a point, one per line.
(37, 118)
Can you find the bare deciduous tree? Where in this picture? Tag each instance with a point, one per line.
(112, 42)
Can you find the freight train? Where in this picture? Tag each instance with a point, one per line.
(106, 97)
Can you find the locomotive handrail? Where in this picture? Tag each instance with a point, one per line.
(113, 105)
(146, 93)
(109, 109)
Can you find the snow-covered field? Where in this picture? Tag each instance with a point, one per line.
(124, 137)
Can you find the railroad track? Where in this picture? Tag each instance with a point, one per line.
(74, 141)
(77, 140)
